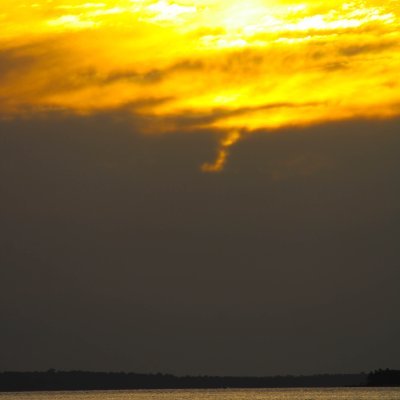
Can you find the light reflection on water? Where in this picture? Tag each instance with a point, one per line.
(263, 394)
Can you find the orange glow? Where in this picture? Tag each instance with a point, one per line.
(222, 156)
(227, 65)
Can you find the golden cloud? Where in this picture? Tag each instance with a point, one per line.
(229, 65)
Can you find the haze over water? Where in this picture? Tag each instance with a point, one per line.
(264, 394)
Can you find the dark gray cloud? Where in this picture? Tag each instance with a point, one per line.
(365, 48)
(117, 253)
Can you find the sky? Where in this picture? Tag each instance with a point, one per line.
(199, 187)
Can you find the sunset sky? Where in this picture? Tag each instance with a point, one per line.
(231, 66)
(200, 186)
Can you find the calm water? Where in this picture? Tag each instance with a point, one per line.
(271, 394)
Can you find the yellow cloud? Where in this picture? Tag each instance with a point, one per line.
(231, 65)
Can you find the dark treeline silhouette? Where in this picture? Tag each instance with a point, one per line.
(384, 377)
(80, 380)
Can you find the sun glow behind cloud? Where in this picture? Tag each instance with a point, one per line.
(227, 65)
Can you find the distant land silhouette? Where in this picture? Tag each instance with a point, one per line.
(387, 377)
(53, 380)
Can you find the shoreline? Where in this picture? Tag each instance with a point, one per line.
(75, 381)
